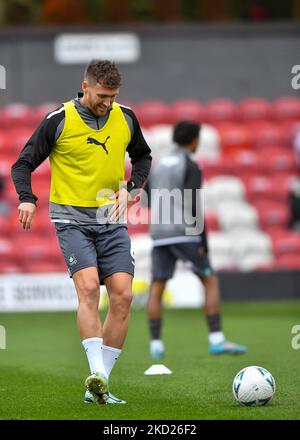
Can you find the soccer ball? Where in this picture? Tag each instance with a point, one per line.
(253, 386)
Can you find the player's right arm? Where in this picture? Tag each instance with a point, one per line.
(36, 150)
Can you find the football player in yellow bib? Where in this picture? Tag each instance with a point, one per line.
(86, 140)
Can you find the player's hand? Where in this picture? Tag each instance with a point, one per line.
(122, 199)
(26, 211)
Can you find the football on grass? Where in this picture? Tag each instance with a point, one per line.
(253, 386)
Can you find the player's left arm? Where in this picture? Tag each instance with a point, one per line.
(140, 157)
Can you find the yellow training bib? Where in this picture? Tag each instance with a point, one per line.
(87, 165)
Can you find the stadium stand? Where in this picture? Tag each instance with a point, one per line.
(249, 166)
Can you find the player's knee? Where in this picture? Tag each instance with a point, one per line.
(89, 292)
(122, 299)
(211, 282)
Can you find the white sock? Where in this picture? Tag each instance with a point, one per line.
(156, 345)
(93, 351)
(110, 357)
(216, 337)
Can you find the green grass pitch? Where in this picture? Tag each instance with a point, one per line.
(43, 368)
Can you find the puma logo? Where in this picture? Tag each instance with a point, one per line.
(91, 140)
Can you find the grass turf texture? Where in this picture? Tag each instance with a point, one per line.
(42, 371)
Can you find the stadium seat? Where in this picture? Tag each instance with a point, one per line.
(272, 214)
(187, 109)
(41, 110)
(37, 266)
(138, 219)
(32, 247)
(220, 110)
(215, 166)
(9, 267)
(6, 227)
(288, 242)
(234, 138)
(275, 187)
(264, 134)
(141, 246)
(159, 138)
(286, 108)
(237, 214)
(5, 142)
(250, 242)
(289, 261)
(226, 188)
(7, 251)
(222, 263)
(209, 143)
(248, 163)
(153, 112)
(256, 262)
(16, 115)
(279, 161)
(255, 109)
(6, 161)
(211, 221)
(220, 248)
(18, 137)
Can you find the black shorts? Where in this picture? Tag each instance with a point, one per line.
(107, 247)
(164, 260)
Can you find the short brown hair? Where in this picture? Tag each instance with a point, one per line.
(103, 72)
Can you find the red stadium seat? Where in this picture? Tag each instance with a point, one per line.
(152, 113)
(18, 137)
(234, 138)
(30, 246)
(286, 108)
(272, 214)
(5, 142)
(7, 251)
(289, 261)
(277, 161)
(187, 109)
(219, 110)
(40, 111)
(6, 226)
(264, 134)
(248, 163)
(287, 242)
(43, 267)
(255, 109)
(258, 187)
(216, 166)
(7, 267)
(17, 115)
(138, 219)
(211, 221)
(6, 161)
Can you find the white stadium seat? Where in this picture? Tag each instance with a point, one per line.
(159, 139)
(247, 242)
(255, 261)
(224, 188)
(220, 250)
(209, 142)
(236, 214)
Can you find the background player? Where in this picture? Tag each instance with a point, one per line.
(171, 243)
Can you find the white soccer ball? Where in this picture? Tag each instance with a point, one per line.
(253, 386)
